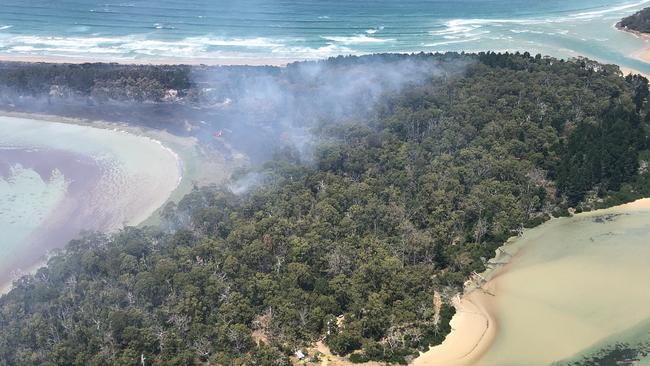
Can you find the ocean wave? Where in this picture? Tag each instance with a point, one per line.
(132, 42)
(163, 26)
(519, 31)
(446, 43)
(356, 39)
(598, 13)
(372, 31)
(122, 5)
(461, 30)
(3, 27)
(465, 27)
(205, 47)
(462, 26)
(329, 50)
(457, 26)
(258, 42)
(79, 29)
(466, 30)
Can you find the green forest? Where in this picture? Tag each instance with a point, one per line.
(639, 21)
(348, 242)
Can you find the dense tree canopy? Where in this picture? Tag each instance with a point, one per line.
(352, 241)
(639, 21)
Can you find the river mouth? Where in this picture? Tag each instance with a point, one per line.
(58, 179)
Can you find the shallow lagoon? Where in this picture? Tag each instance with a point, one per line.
(574, 288)
(26, 198)
(57, 179)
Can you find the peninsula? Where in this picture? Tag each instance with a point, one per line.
(374, 188)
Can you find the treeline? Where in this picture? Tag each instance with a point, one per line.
(103, 81)
(353, 242)
(639, 21)
(190, 100)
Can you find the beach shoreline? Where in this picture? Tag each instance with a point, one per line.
(475, 326)
(222, 61)
(473, 329)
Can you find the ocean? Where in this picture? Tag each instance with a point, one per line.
(284, 30)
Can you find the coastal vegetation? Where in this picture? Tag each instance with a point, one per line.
(639, 21)
(352, 240)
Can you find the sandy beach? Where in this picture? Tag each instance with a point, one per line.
(225, 61)
(642, 204)
(627, 71)
(473, 329)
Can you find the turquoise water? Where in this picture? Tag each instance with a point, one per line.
(305, 29)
